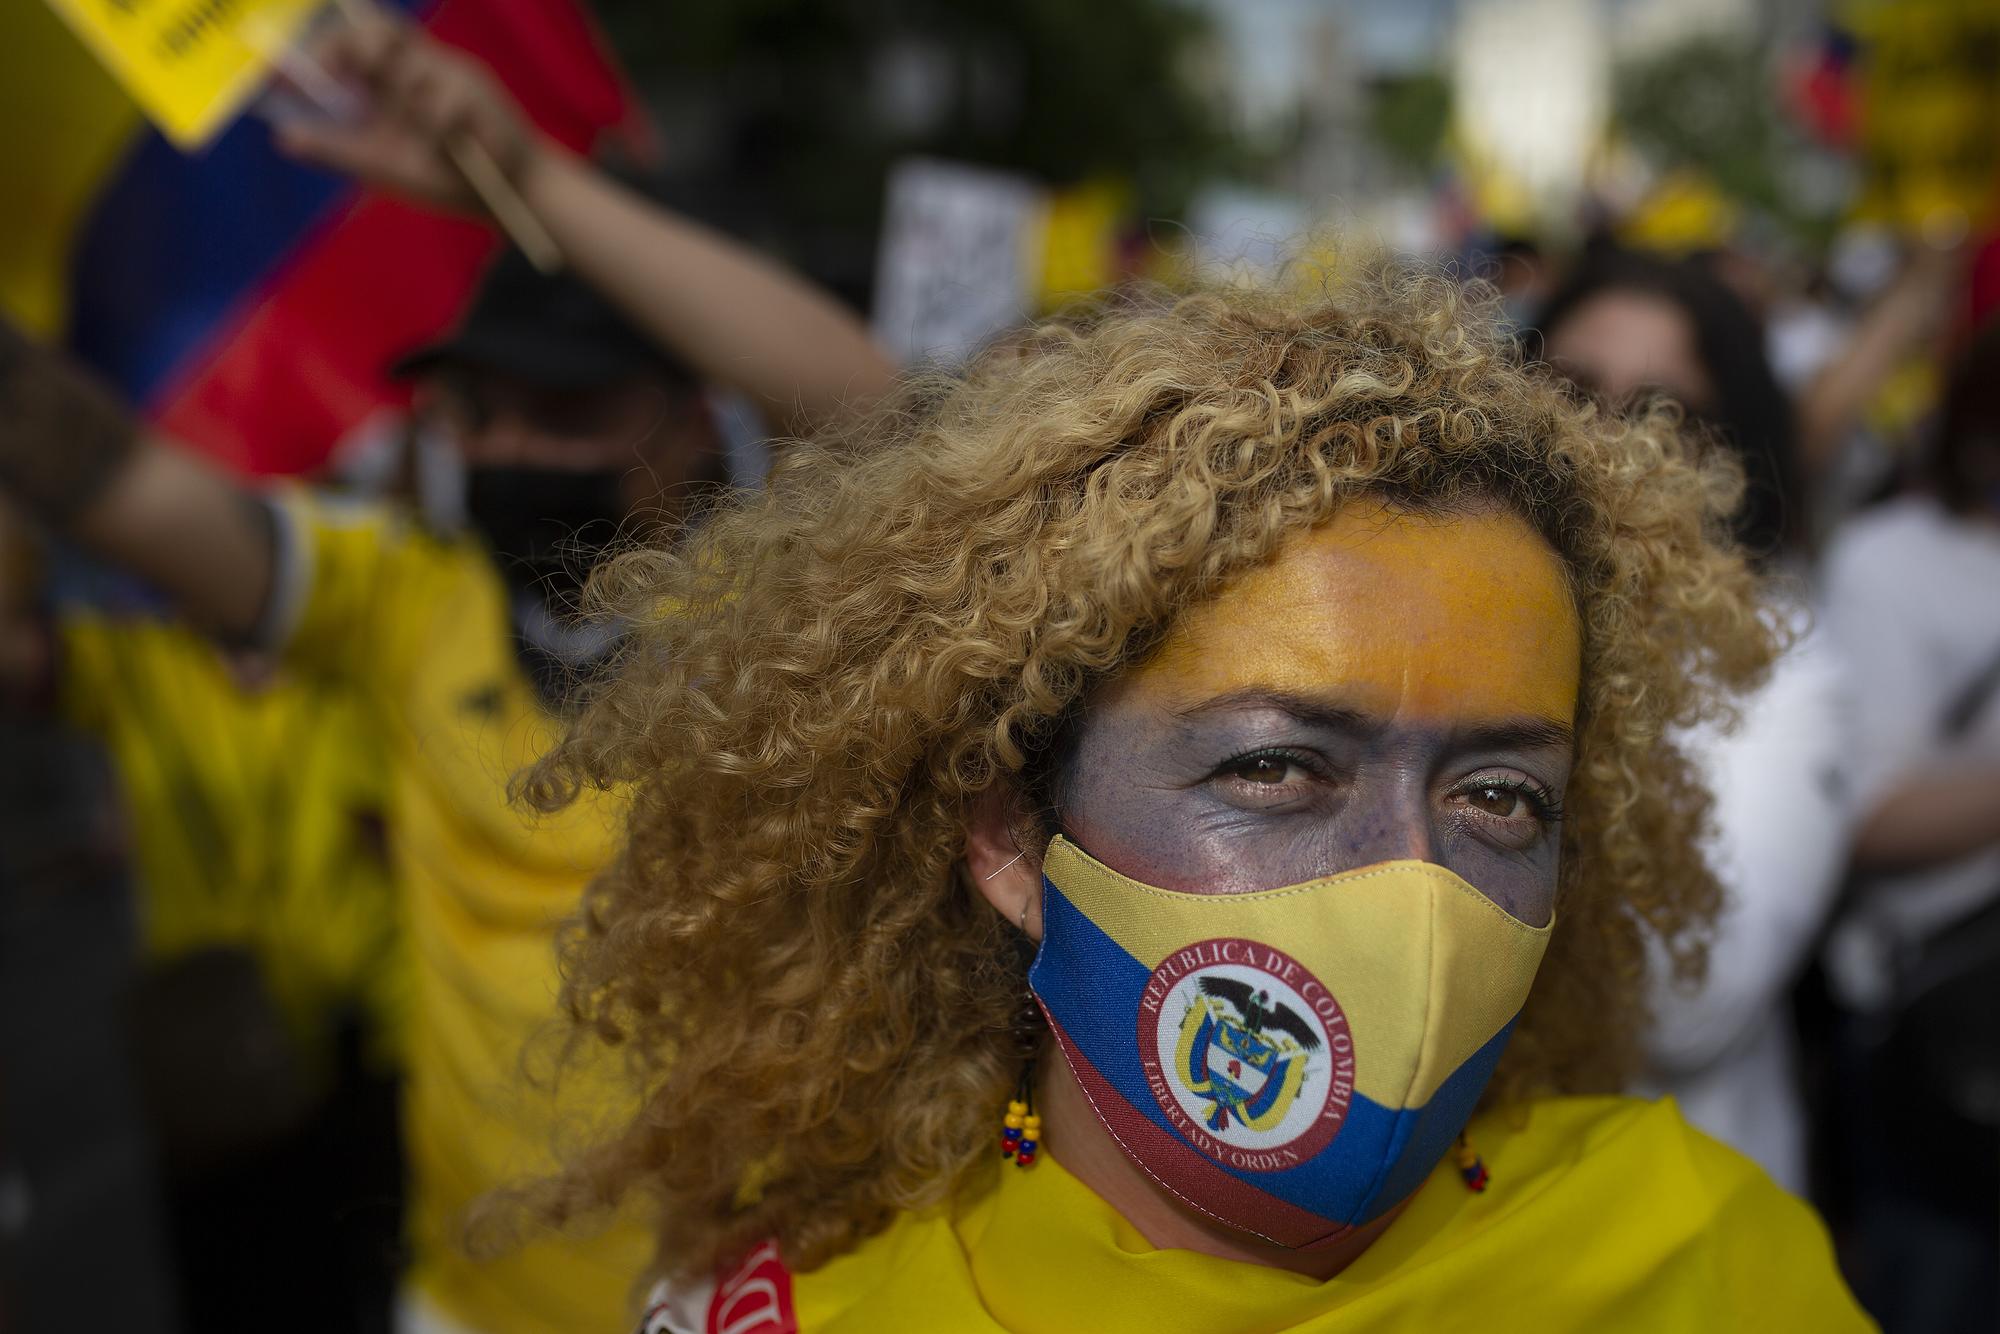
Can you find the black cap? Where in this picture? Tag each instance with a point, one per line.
(551, 330)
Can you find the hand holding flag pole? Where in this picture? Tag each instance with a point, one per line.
(432, 101)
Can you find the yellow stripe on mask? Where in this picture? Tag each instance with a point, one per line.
(1394, 943)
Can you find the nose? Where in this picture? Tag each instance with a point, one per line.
(1390, 822)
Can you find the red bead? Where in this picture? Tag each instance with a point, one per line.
(1025, 1160)
(1006, 1148)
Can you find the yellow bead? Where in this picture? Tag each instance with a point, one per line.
(1031, 1124)
(1011, 1121)
(1017, 1108)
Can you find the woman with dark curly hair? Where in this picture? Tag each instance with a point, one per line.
(1276, 697)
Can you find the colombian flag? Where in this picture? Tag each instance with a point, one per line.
(1293, 1062)
(244, 302)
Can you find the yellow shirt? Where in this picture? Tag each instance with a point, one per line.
(420, 628)
(1602, 1214)
(255, 817)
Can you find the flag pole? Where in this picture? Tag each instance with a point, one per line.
(513, 213)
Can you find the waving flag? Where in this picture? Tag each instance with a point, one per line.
(243, 301)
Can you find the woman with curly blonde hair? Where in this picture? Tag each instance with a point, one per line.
(1278, 696)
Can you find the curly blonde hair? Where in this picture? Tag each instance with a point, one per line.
(821, 682)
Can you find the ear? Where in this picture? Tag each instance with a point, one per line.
(1005, 875)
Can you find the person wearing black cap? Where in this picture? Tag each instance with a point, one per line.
(572, 423)
(573, 429)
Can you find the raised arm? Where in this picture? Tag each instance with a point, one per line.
(73, 457)
(734, 316)
(1912, 310)
(1921, 805)
(1937, 814)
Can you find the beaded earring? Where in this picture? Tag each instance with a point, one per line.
(1021, 1133)
(1471, 1167)
(1021, 1128)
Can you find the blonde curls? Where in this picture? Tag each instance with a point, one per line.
(821, 682)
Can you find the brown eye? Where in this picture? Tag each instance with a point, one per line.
(1267, 777)
(1263, 769)
(1503, 802)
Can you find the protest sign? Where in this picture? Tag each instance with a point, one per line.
(189, 64)
(960, 258)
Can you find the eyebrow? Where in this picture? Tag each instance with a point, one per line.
(1508, 734)
(1518, 734)
(1305, 708)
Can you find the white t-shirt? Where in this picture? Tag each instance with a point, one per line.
(1912, 595)
(1782, 821)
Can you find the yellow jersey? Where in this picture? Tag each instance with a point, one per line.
(419, 628)
(255, 816)
(1600, 1214)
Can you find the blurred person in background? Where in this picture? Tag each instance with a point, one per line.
(1626, 327)
(267, 1018)
(79, 1176)
(795, 355)
(570, 422)
(1900, 324)
(1913, 596)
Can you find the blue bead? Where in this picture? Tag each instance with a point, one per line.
(1010, 1133)
(1027, 1146)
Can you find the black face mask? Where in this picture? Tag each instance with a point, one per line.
(546, 526)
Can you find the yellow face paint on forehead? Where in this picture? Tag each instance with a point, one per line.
(1459, 618)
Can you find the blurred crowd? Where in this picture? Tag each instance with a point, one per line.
(274, 932)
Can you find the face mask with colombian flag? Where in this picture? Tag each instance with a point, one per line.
(1291, 1062)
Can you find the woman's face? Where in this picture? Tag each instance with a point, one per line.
(1394, 685)
(1621, 344)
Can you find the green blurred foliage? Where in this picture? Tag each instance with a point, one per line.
(1712, 105)
(1408, 116)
